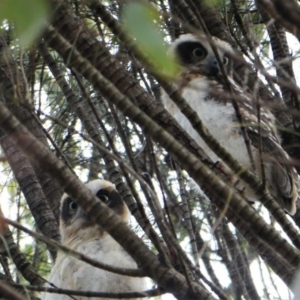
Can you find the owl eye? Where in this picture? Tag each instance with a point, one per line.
(225, 61)
(199, 53)
(73, 206)
(103, 198)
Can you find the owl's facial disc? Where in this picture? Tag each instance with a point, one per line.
(71, 211)
(75, 225)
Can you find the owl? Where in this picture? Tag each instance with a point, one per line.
(201, 83)
(79, 233)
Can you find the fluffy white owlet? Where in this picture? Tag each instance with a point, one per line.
(79, 233)
(201, 75)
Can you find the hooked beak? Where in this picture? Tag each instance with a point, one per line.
(213, 67)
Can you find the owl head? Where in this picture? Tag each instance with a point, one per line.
(195, 54)
(75, 225)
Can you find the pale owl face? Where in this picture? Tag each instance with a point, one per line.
(75, 224)
(195, 54)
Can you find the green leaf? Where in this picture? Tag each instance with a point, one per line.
(28, 16)
(142, 23)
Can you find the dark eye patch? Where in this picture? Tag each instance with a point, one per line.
(73, 206)
(187, 51)
(104, 196)
(199, 53)
(112, 199)
(69, 207)
(225, 61)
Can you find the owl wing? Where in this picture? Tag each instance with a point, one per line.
(263, 133)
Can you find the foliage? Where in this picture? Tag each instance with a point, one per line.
(28, 17)
(88, 87)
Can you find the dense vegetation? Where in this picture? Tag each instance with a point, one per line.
(82, 99)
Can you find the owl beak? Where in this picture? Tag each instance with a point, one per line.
(213, 67)
(81, 214)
